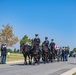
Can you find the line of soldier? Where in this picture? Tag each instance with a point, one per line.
(46, 42)
(64, 51)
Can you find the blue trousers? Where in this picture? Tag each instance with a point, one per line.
(66, 57)
(3, 59)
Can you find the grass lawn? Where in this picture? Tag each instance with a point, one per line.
(74, 73)
(15, 57)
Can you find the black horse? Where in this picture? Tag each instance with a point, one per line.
(45, 53)
(26, 50)
(52, 53)
(36, 53)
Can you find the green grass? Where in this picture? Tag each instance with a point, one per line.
(14, 57)
(74, 73)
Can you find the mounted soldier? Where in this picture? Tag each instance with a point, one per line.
(45, 50)
(36, 49)
(52, 50)
(46, 42)
(36, 40)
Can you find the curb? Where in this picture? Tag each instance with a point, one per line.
(70, 72)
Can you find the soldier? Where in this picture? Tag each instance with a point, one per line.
(36, 40)
(52, 50)
(46, 42)
(3, 54)
(63, 54)
(66, 53)
(37, 51)
(45, 50)
(52, 45)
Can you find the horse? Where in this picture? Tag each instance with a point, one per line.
(36, 53)
(52, 53)
(45, 53)
(26, 51)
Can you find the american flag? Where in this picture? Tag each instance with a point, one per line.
(57, 47)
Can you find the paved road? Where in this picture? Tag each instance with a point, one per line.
(55, 68)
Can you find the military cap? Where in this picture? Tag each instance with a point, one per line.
(36, 34)
(52, 39)
(46, 37)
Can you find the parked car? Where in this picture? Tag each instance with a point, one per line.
(74, 54)
(71, 53)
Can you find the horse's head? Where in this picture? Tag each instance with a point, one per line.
(21, 47)
(25, 47)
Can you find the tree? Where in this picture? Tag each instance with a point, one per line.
(7, 36)
(9, 50)
(15, 50)
(18, 51)
(26, 39)
(68, 47)
(74, 49)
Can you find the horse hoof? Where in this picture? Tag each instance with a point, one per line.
(29, 63)
(47, 61)
(51, 61)
(38, 63)
(33, 63)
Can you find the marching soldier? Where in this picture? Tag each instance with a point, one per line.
(3, 54)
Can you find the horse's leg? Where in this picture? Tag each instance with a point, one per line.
(38, 58)
(29, 58)
(54, 57)
(51, 58)
(34, 59)
(32, 56)
(44, 58)
(25, 62)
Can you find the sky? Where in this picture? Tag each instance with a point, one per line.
(49, 18)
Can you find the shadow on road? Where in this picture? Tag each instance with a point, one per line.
(73, 63)
(22, 64)
(18, 65)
